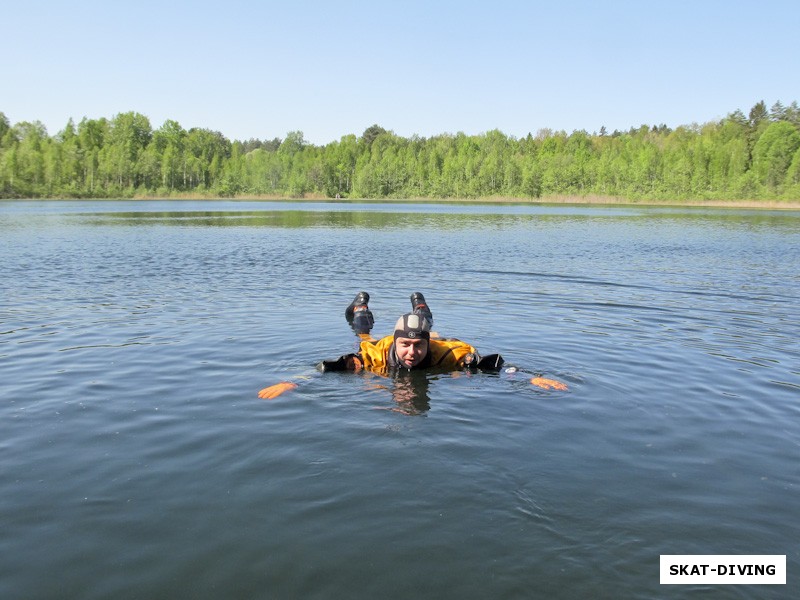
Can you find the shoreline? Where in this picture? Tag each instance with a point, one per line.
(544, 200)
(555, 199)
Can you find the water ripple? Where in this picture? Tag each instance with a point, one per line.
(133, 345)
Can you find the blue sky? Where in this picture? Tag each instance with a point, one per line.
(261, 69)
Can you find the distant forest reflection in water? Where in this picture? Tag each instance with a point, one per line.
(454, 216)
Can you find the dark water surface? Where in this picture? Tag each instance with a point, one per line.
(137, 462)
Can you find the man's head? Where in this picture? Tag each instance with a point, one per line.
(411, 335)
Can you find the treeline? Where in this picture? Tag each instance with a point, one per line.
(753, 156)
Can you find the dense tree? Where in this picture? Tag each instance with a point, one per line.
(754, 155)
(773, 153)
(5, 126)
(758, 114)
(91, 138)
(370, 133)
(128, 135)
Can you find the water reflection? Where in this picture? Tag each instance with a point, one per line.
(410, 393)
(409, 390)
(385, 216)
(299, 219)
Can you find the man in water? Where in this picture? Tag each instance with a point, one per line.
(410, 347)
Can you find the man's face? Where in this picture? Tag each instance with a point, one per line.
(410, 352)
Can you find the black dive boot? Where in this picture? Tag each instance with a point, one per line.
(420, 307)
(358, 314)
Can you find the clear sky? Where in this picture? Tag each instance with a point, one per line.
(259, 69)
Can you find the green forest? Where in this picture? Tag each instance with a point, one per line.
(753, 156)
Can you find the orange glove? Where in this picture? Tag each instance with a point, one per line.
(276, 390)
(548, 384)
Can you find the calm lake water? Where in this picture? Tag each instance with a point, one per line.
(136, 460)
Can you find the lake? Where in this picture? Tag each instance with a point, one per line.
(136, 460)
